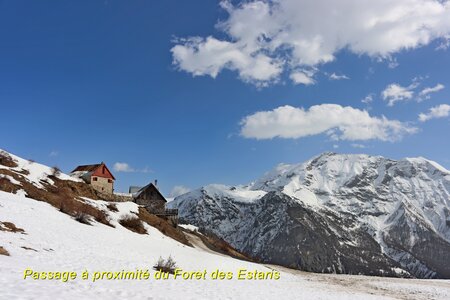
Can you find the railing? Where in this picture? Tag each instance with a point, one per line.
(169, 212)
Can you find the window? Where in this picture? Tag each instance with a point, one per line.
(94, 178)
(109, 180)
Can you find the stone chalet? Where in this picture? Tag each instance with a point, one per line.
(97, 175)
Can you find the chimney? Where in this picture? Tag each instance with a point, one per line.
(156, 182)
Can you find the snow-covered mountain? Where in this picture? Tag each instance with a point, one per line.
(37, 233)
(336, 213)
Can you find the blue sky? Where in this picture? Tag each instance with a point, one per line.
(89, 81)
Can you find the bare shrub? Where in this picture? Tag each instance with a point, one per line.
(165, 265)
(77, 209)
(112, 207)
(82, 218)
(133, 224)
(56, 171)
(28, 248)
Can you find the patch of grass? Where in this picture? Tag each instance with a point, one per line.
(133, 224)
(6, 185)
(165, 265)
(82, 211)
(6, 160)
(163, 226)
(3, 251)
(8, 226)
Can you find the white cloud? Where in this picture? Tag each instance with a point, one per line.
(53, 153)
(264, 38)
(334, 76)
(425, 93)
(338, 122)
(445, 43)
(360, 146)
(440, 111)
(124, 167)
(368, 99)
(302, 77)
(395, 93)
(335, 146)
(179, 190)
(210, 56)
(392, 63)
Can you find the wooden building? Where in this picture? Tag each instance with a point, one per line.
(151, 198)
(97, 175)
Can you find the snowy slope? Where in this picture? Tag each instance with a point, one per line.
(59, 243)
(32, 171)
(377, 214)
(54, 241)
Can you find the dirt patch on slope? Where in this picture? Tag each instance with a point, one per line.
(134, 224)
(3, 251)
(10, 227)
(163, 225)
(216, 244)
(6, 160)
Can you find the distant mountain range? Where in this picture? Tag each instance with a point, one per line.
(355, 214)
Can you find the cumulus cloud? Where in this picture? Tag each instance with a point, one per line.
(395, 93)
(210, 56)
(338, 122)
(440, 111)
(124, 167)
(335, 76)
(303, 77)
(263, 38)
(425, 93)
(178, 190)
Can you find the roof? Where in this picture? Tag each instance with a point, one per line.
(152, 186)
(86, 168)
(92, 169)
(134, 189)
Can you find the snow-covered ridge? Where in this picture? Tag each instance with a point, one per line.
(399, 203)
(34, 172)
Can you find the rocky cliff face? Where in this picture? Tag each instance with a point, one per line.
(336, 213)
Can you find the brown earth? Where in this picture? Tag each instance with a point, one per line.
(163, 225)
(134, 224)
(8, 226)
(6, 160)
(3, 251)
